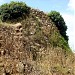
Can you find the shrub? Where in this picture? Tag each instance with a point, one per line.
(59, 22)
(13, 10)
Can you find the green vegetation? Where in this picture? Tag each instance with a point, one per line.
(13, 10)
(59, 22)
(58, 41)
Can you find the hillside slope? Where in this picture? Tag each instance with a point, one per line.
(33, 46)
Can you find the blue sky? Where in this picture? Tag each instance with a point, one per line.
(65, 7)
(45, 5)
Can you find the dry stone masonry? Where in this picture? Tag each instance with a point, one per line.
(29, 48)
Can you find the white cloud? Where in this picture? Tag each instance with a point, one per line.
(70, 22)
(69, 19)
(71, 4)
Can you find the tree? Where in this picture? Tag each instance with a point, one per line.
(59, 22)
(13, 10)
